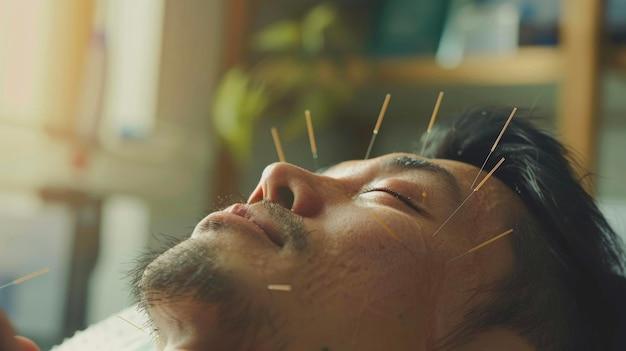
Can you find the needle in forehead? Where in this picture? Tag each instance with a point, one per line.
(433, 117)
(278, 145)
(468, 196)
(379, 121)
(311, 133)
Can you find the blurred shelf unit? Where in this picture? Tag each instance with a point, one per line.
(533, 65)
(573, 65)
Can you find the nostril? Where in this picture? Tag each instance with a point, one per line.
(285, 197)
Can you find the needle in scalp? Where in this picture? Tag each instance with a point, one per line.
(495, 144)
(468, 196)
(26, 278)
(312, 142)
(278, 145)
(379, 121)
(433, 118)
(483, 244)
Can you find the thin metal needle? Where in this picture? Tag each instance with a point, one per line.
(279, 287)
(278, 145)
(483, 244)
(495, 144)
(379, 121)
(452, 214)
(433, 117)
(468, 196)
(26, 278)
(135, 325)
(309, 127)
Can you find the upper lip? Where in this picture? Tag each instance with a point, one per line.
(267, 225)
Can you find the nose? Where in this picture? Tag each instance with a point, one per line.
(292, 187)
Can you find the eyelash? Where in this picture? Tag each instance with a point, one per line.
(406, 200)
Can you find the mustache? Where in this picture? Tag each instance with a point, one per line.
(291, 225)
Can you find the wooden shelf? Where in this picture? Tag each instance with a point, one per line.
(527, 66)
(573, 66)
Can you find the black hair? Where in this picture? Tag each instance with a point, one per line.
(566, 291)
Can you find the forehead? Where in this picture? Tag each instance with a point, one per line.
(458, 170)
(493, 194)
(491, 210)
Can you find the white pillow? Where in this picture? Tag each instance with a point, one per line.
(113, 333)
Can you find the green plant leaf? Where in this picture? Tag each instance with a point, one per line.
(314, 25)
(238, 103)
(278, 37)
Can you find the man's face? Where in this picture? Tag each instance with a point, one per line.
(353, 245)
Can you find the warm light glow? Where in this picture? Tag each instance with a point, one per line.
(23, 28)
(133, 39)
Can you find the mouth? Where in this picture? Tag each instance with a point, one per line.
(265, 224)
(243, 216)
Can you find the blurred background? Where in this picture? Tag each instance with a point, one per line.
(121, 119)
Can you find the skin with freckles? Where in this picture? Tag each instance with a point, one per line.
(355, 245)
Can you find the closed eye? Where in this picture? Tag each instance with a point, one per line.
(404, 199)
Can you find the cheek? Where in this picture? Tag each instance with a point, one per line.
(378, 256)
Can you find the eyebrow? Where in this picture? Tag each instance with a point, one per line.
(414, 163)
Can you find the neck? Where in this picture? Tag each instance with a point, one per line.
(189, 325)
